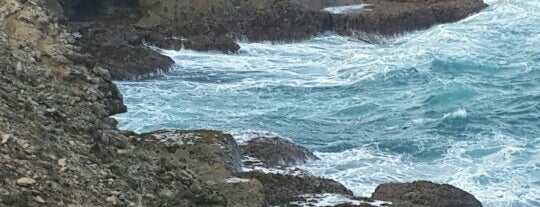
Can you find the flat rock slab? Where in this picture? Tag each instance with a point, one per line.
(207, 146)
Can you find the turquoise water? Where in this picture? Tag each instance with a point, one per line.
(458, 103)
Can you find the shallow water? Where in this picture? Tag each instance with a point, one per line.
(458, 103)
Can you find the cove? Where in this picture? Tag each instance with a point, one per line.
(457, 103)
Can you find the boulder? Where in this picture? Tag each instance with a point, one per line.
(424, 194)
(276, 152)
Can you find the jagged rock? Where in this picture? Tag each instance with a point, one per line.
(276, 152)
(424, 194)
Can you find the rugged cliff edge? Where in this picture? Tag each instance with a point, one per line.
(58, 146)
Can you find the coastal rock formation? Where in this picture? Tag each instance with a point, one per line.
(276, 152)
(118, 33)
(398, 16)
(120, 49)
(424, 194)
(59, 146)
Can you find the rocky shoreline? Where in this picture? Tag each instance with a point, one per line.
(117, 34)
(59, 146)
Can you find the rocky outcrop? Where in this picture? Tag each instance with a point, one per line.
(391, 17)
(276, 152)
(120, 49)
(219, 148)
(424, 194)
(283, 189)
(289, 20)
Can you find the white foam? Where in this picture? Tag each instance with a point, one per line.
(242, 136)
(236, 180)
(496, 175)
(348, 9)
(328, 199)
(460, 113)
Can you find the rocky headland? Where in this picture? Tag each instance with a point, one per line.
(59, 146)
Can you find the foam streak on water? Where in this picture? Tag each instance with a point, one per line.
(458, 103)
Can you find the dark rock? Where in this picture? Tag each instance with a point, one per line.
(390, 17)
(120, 49)
(283, 189)
(109, 95)
(424, 194)
(205, 43)
(276, 152)
(131, 62)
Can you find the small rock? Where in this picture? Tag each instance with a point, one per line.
(4, 138)
(112, 199)
(39, 199)
(62, 162)
(25, 181)
(18, 68)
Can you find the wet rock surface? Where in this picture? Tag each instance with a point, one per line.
(423, 194)
(276, 152)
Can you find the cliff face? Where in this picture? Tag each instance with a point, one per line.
(58, 146)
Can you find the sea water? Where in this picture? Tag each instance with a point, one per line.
(458, 103)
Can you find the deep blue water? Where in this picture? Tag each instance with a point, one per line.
(458, 103)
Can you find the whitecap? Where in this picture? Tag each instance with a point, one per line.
(460, 113)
